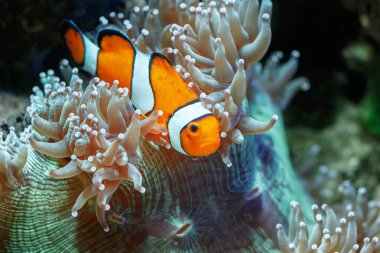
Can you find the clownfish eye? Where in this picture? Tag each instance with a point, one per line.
(193, 128)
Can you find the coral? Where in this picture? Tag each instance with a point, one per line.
(356, 161)
(330, 234)
(361, 56)
(368, 11)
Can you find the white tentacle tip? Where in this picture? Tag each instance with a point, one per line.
(305, 86)
(187, 58)
(65, 62)
(266, 16)
(141, 189)
(239, 139)
(362, 190)
(106, 229)
(74, 214)
(295, 54)
(144, 32)
(160, 113)
(120, 136)
(294, 204)
(275, 117)
(228, 163)
(223, 135)
(101, 187)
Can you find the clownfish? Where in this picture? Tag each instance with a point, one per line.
(153, 83)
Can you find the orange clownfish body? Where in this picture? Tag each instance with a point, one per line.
(153, 82)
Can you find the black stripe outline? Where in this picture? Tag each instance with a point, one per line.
(196, 119)
(179, 108)
(152, 57)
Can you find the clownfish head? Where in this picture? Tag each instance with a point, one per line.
(194, 130)
(201, 137)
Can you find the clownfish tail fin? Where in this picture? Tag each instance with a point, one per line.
(80, 50)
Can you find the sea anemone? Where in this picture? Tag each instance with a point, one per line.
(99, 129)
(13, 156)
(330, 234)
(276, 78)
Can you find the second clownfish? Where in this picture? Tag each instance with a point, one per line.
(153, 82)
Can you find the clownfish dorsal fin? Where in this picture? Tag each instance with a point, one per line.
(81, 51)
(113, 39)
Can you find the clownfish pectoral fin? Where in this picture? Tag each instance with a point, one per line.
(81, 51)
(116, 57)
